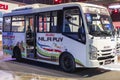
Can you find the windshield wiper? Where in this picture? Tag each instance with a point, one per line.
(100, 33)
(106, 33)
(95, 33)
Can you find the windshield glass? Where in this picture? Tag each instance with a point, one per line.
(99, 25)
(99, 22)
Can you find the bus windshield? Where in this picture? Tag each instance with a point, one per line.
(99, 22)
(99, 25)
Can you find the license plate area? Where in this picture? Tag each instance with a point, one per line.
(107, 62)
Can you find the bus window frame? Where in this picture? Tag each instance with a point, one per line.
(81, 24)
(39, 15)
(50, 24)
(17, 21)
(3, 29)
(66, 8)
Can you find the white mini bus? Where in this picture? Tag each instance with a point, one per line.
(71, 35)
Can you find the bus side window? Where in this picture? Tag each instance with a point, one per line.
(71, 20)
(73, 25)
(53, 20)
(7, 24)
(44, 22)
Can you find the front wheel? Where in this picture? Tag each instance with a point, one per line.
(67, 62)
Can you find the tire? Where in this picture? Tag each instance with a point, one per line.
(67, 62)
(17, 53)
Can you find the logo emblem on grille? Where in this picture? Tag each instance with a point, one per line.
(106, 47)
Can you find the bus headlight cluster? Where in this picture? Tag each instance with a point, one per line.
(117, 48)
(118, 45)
(93, 52)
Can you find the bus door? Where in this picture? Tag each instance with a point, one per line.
(30, 42)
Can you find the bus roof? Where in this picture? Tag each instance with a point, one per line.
(26, 7)
(48, 8)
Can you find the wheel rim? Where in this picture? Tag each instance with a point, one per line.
(67, 62)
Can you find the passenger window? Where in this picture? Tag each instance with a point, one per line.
(71, 20)
(54, 21)
(7, 23)
(18, 24)
(73, 27)
(44, 22)
(48, 22)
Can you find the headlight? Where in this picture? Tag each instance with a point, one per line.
(118, 45)
(93, 52)
(117, 50)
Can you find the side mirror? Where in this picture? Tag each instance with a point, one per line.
(81, 34)
(114, 32)
(117, 32)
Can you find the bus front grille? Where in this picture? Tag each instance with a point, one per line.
(103, 58)
(106, 50)
(106, 54)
